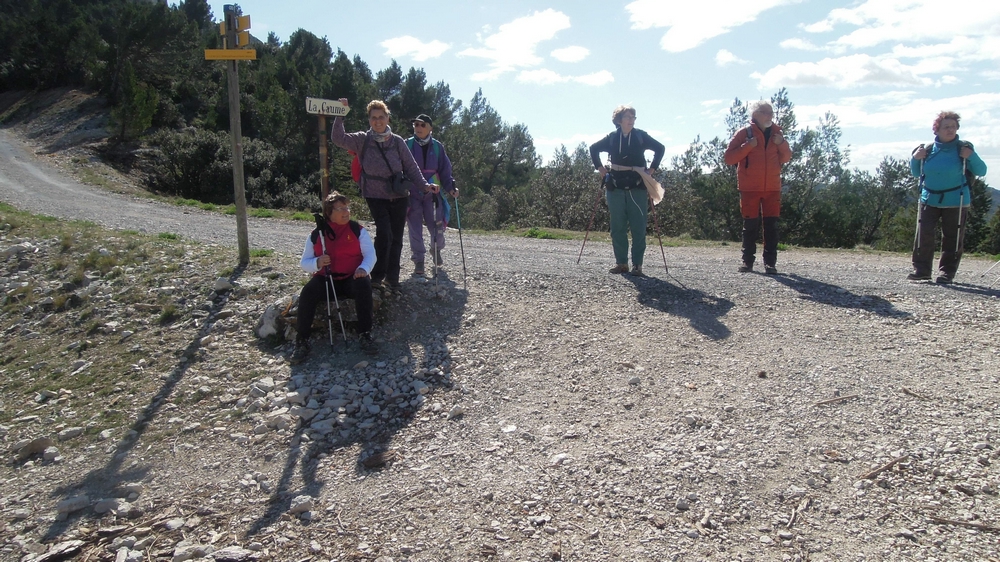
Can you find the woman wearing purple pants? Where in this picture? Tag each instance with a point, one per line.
(428, 206)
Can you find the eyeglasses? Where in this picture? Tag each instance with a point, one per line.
(341, 210)
(420, 124)
(382, 117)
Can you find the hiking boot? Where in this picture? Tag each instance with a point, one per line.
(745, 267)
(943, 280)
(418, 269)
(300, 353)
(637, 271)
(770, 270)
(437, 258)
(368, 345)
(918, 277)
(620, 268)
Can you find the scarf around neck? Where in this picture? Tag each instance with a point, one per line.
(384, 136)
(422, 142)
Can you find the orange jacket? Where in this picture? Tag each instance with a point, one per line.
(758, 167)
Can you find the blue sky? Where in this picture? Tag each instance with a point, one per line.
(883, 67)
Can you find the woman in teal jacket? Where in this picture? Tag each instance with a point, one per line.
(945, 196)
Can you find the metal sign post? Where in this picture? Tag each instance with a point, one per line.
(235, 35)
(321, 108)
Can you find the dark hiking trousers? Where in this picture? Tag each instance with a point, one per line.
(751, 228)
(390, 218)
(923, 250)
(315, 292)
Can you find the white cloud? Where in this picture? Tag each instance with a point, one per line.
(842, 73)
(571, 54)
(959, 50)
(724, 57)
(691, 25)
(596, 79)
(909, 21)
(542, 77)
(413, 48)
(513, 45)
(800, 44)
(902, 110)
(546, 77)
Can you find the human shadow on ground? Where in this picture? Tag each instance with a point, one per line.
(702, 310)
(833, 295)
(369, 405)
(105, 481)
(984, 291)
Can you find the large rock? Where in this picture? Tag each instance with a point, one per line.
(234, 554)
(300, 504)
(69, 505)
(31, 448)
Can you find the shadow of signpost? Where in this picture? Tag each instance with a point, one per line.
(102, 482)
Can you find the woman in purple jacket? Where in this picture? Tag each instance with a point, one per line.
(383, 154)
(428, 207)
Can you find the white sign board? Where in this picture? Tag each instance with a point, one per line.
(318, 106)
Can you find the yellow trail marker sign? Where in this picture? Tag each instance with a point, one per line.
(319, 106)
(230, 54)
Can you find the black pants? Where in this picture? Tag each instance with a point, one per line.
(952, 239)
(751, 227)
(390, 218)
(315, 292)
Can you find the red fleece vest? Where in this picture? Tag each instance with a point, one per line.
(344, 249)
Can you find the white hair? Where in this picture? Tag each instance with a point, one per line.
(759, 104)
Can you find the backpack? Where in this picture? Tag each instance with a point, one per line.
(355, 166)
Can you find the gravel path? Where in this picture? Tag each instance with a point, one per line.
(704, 414)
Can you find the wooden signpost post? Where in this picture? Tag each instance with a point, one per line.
(234, 31)
(321, 108)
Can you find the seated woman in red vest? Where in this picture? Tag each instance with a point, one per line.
(341, 250)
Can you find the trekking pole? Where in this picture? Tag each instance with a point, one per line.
(656, 227)
(990, 269)
(458, 218)
(329, 287)
(961, 200)
(920, 184)
(329, 323)
(593, 213)
(336, 302)
(958, 235)
(434, 236)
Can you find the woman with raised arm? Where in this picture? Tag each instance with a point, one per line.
(386, 163)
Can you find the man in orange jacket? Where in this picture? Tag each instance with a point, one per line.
(758, 151)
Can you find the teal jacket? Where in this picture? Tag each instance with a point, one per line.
(943, 183)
